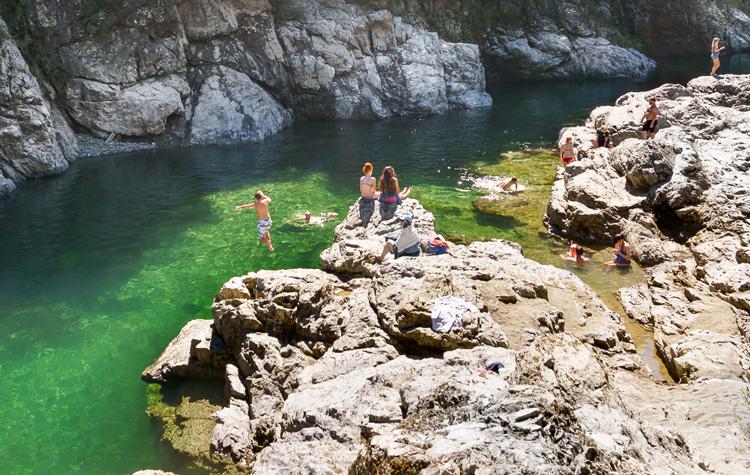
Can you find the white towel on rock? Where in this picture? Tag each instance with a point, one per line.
(447, 312)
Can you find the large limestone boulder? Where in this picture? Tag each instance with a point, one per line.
(138, 110)
(233, 108)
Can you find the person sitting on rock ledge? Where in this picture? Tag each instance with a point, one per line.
(621, 251)
(567, 151)
(390, 193)
(405, 244)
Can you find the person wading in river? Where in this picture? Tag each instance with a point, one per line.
(264, 217)
(715, 50)
(650, 117)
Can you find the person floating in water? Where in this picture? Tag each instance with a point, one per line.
(621, 252)
(308, 219)
(602, 137)
(567, 151)
(575, 254)
(509, 184)
(405, 244)
(390, 193)
(367, 194)
(715, 50)
(650, 118)
(264, 217)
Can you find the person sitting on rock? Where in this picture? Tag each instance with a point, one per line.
(405, 244)
(567, 151)
(621, 252)
(650, 117)
(602, 137)
(390, 193)
(367, 194)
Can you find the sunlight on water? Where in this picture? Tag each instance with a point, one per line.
(103, 265)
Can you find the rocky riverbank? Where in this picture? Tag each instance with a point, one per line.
(339, 371)
(682, 201)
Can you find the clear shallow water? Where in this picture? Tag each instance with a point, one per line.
(102, 266)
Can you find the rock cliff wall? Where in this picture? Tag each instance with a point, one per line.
(339, 371)
(222, 71)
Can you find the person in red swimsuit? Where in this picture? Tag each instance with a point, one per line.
(567, 151)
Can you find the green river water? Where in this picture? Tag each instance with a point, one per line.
(102, 266)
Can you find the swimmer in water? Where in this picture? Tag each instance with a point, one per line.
(576, 254)
(509, 184)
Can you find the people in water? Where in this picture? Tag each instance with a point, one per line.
(576, 254)
(715, 50)
(509, 184)
(603, 138)
(307, 218)
(390, 193)
(367, 194)
(650, 118)
(264, 217)
(406, 243)
(621, 252)
(567, 151)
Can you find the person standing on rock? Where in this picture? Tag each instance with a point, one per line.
(650, 117)
(567, 151)
(715, 50)
(367, 194)
(264, 217)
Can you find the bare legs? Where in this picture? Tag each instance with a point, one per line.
(715, 67)
(405, 193)
(386, 249)
(267, 241)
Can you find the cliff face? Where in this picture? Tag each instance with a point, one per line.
(221, 71)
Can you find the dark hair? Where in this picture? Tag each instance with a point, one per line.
(388, 180)
(579, 251)
(618, 238)
(258, 195)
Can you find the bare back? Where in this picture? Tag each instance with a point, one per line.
(367, 186)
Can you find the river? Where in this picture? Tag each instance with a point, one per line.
(103, 265)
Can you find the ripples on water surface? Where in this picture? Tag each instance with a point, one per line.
(103, 265)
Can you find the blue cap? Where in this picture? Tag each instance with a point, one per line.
(407, 218)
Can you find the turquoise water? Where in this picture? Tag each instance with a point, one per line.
(103, 265)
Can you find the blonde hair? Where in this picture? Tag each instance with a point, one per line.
(714, 41)
(367, 168)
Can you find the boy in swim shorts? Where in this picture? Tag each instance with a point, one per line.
(264, 217)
